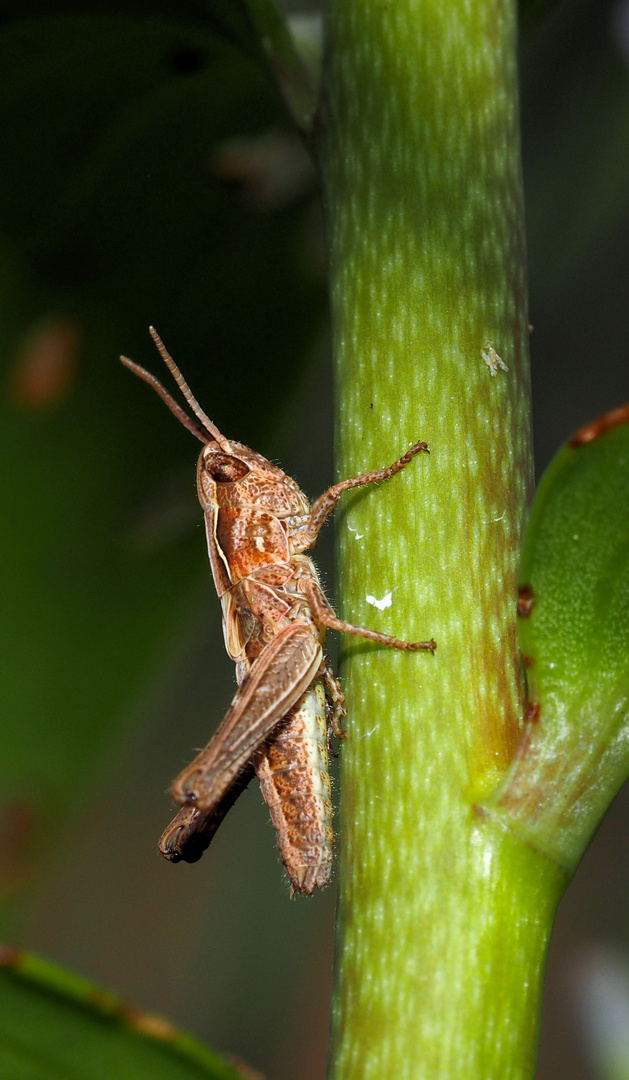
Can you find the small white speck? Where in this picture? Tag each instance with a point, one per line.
(380, 604)
(368, 733)
(491, 358)
(575, 536)
(357, 535)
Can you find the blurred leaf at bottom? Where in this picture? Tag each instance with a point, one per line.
(55, 1024)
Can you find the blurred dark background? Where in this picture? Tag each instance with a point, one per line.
(148, 175)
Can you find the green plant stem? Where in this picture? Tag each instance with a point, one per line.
(444, 917)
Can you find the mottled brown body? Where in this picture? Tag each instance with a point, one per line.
(295, 781)
(262, 584)
(258, 526)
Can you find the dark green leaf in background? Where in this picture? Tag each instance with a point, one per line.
(136, 188)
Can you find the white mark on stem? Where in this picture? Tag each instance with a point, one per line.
(380, 604)
(357, 535)
(368, 733)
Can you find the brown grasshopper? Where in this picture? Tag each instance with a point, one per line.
(259, 524)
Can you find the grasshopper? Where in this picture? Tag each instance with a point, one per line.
(275, 615)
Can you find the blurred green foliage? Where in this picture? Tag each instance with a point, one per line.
(123, 202)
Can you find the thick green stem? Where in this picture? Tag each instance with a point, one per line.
(444, 918)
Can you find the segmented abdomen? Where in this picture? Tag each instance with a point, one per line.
(293, 772)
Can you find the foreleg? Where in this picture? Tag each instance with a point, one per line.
(324, 505)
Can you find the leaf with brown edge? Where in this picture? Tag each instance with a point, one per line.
(573, 623)
(54, 1023)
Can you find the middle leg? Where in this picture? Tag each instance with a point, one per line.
(336, 700)
(324, 615)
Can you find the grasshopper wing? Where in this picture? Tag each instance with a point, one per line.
(279, 676)
(191, 831)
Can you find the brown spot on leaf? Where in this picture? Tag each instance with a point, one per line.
(245, 1070)
(600, 426)
(149, 1024)
(526, 599)
(528, 661)
(105, 1002)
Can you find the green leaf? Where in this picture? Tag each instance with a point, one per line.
(56, 1024)
(574, 635)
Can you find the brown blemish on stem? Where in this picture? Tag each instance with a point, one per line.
(600, 426)
(526, 599)
(523, 748)
(528, 661)
(498, 734)
(533, 709)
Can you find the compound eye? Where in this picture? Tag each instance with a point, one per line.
(224, 469)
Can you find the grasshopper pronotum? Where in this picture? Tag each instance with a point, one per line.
(259, 524)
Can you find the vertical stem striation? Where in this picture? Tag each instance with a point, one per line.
(444, 917)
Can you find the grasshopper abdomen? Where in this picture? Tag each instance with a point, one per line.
(295, 781)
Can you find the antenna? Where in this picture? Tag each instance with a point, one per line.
(182, 416)
(199, 432)
(187, 393)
